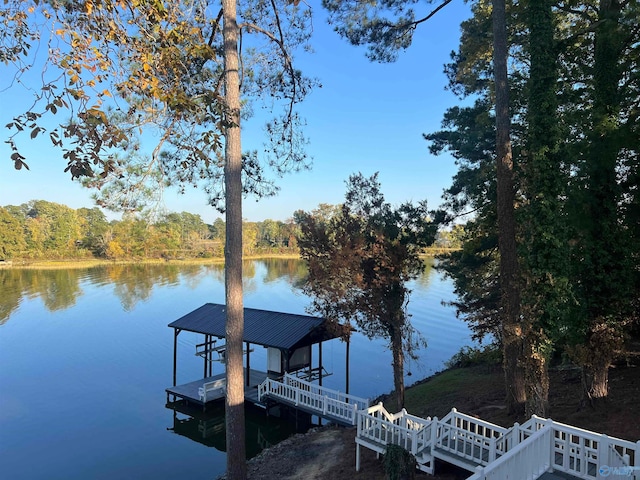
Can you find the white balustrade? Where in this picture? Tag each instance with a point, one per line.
(526, 461)
(469, 438)
(520, 452)
(382, 428)
(323, 401)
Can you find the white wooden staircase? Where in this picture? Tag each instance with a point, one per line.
(324, 402)
(539, 448)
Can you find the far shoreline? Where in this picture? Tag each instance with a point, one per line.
(97, 262)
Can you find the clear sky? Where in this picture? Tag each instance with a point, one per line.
(367, 118)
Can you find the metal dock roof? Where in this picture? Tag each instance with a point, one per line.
(285, 331)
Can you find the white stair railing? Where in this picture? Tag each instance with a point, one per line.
(378, 428)
(520, 452)
(526, 461)
(583, 453)
(322, 401)
(469, 438)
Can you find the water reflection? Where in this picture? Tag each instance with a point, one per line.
(99, 347)
(262, 431)
(60, 289)
(424, 279)
(292, 270)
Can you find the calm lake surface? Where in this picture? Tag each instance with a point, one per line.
(86, 355)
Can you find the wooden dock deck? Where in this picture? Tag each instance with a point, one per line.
(189, 391)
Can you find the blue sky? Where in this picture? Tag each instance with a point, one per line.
(367, 118)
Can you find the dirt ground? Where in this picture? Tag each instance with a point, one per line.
(329, 452)
(326, 453)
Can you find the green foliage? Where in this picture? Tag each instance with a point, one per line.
(40, 230)
(360, 258)
(398, 463)
(575, 146)
(384, 26)
(12, 241)
(120, 70)
(543, 218)
(489, 355)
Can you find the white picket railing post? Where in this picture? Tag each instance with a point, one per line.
(515, 433)
(603, 450)
(434, 433)
(636, 460)
(492, 450)
(480, 472)
(414, 442)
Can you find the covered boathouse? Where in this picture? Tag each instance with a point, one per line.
(287, 337)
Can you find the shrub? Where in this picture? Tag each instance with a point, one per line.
(470, 356)
(399, 464)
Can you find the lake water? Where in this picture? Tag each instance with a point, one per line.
(85, 356)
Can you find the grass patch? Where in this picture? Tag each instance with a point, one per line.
(456, 387)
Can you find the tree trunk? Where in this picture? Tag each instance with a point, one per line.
(598, 353)
(512, 350)
(509, 285)
(595, 384)
(536, 377)
(398, 366)
(605, 262)
(544, 254)
(234, 404)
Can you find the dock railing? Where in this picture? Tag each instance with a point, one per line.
(320, 400)
(377, 428)
(408, 431)
(469, 438)
(525, 461)
(520, 452)
(545, 445)
(584, 454)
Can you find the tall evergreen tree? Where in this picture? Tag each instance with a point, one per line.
(557, 142)
(603, 260)
(544, 249)
(512, 332)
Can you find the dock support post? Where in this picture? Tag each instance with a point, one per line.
(209, 358)
(347, 369)
(176, 332)
(320, 364)
(248, 365)
(204, 358)
(357, 457)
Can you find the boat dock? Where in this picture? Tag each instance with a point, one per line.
(189, 391)
(288, 339)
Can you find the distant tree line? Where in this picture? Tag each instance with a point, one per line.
(45, 230)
